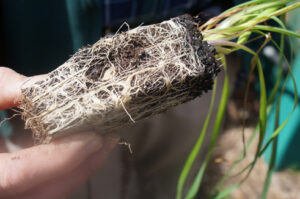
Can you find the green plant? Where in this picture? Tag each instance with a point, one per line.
(230, 32)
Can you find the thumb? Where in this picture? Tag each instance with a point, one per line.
(10, 84)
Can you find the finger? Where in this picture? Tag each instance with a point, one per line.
(62, 187)
(10, 84)
(30, 167)
(10, 87)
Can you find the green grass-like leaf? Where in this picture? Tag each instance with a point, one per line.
(195, 151)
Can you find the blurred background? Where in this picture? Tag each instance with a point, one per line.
(38, 36)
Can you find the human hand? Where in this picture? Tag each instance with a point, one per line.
(50, 170)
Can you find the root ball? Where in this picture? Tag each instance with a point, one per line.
(120, 79)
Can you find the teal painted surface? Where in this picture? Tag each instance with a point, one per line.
(289, 139)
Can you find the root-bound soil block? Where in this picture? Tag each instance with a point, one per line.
(121, 79)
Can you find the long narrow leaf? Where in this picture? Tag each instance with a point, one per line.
(195, 151)
(217, 125)
(274, 146)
